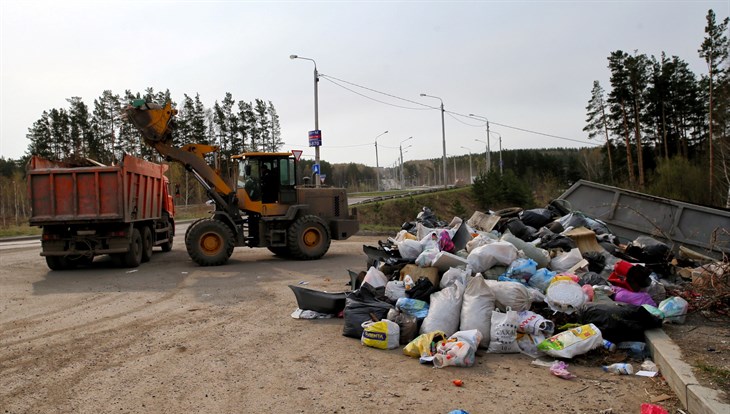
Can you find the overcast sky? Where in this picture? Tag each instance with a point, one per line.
(529, 65)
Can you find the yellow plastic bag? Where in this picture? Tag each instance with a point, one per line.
(383, 334)
(421, 346)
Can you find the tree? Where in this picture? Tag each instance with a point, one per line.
(618, 97)
(596, 120)
(104, 123)
(80, 126)
(276, 142)
(263, 125)
(39, 136)
(714, 49)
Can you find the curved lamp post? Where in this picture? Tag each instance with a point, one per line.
(443, 132)
(316, 112)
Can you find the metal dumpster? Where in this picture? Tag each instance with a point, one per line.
(630, 214)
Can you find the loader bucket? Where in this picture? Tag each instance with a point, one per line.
(152, 120)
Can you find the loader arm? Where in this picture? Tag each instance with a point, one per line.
(155, 123)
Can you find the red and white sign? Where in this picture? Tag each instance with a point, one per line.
(297, 154)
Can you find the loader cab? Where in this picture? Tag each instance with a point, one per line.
(267, 178)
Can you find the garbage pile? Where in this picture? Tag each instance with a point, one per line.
(543, 282)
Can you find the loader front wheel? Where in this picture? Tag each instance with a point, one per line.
(308, 238)
(209, 243)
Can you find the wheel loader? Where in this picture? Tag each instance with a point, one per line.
(261, 203)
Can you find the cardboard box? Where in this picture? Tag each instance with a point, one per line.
(417, 272)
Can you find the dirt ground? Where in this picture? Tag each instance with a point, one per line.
(704, 339)
(174, 337)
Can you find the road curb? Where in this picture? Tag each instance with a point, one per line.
(693, 396)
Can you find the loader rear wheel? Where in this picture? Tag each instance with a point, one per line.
(308, 238)
(147, 243)
(209, 242)
(59, 263)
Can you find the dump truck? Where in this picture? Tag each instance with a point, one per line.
(122, 210)
(259, 203)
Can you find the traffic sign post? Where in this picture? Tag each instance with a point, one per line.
(297, 154)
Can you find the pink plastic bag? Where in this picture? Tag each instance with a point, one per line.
(445, 243)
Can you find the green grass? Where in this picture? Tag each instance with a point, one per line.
(379, 228)
(719, 376)
(379, 193)
(21, 230)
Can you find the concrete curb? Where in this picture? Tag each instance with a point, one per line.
(668, 357)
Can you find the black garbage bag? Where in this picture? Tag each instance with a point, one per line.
(537, 217)
(422, 290)
(550, 240)
(520, 230)
(655, 254)
(593, 279)
(596, 261)
(359, 304)
(618, 322)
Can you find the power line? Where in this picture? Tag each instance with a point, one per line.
(451, 113)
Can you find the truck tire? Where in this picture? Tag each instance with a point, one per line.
(147, 243)
(209, 242)
(308, 238)
(59, 263)
(133, 256)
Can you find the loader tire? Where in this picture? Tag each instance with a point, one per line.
(308, 238)
(147, 243)
(209, 242)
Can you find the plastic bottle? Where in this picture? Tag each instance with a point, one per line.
(408, 281)
(620, 368)
(609, 345)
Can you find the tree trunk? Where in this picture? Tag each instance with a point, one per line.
(712, 153)
(664, 134)
(629, 160)
(639, 149)
(608, 143)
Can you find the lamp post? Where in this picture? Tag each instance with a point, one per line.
(471, 174)
(489, 152)
(377, 164)
(443, 133)
(316, 114)
(400, 146)
(500, 151)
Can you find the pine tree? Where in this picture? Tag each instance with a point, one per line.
(248, 127)
(276, 142)
(596, 120)
(714, 49)
(80, 126)
(105, 122)
(60, 134)
(39, 136)
(263, 125)
(618, 98)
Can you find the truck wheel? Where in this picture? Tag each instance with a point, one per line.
(209, 243)
(147, 244)
(133, 257)
(59, 263)
(167, 246)
(308, 238)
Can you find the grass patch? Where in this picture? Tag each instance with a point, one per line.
(393, 213)
(719, 376)
(379, 228)
(379, 193)
(21, 230)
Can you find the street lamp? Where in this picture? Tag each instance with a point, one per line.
(377, 164)
(470, 171)
(316, 114)
(500, 151)
(401, 158)
(443, 132)
(489, 152)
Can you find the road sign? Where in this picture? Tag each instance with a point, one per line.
(315, 138)
(297, 154)
(322, 177)
(315, 168)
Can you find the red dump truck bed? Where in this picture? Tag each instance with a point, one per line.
(124, 211)
(128, 192)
